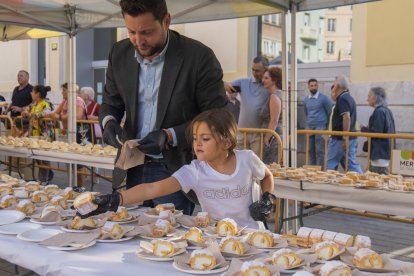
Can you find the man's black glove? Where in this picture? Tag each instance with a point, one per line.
(153, 143)
(111, 131)
(261, 208)
(109, 202)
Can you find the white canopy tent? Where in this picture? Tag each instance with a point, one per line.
(73, 16)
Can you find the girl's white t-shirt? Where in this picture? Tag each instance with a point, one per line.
(221, 195)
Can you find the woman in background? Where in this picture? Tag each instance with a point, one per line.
(381, 121)
(39, 127)
(271, 112)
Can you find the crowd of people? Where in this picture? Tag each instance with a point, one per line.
(168, 92)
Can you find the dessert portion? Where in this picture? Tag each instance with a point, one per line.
(59, 201)
(261, 239)
(232, 245)
(32, 186)
(202, 260)
(328, 236)
(120, 214)
(5, 190)
(362, 241)
(226, 227)
(69, 194)
(161, 228)
(303, 236)
(335, 268)
(194, 234)
(167, 215)
(315, 236)
(344, 239)
(48, 210)
(346, 181)
(165, 206)
(40, 197)
(163, 248)
(51, 189)
(202, 220)
(254, 268)
(77, 223)
(8, 201)
(112, 229)
(286, 258)
(26, 206)
(327, 250)
(367, 258)
(84, 203)
(21, 193)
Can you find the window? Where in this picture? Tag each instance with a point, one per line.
(350, 25)
(306, 19)
(349, 47)
(331, 25)
(330, 47)
(271, 47)
(273, 19)
(306, 52)
(321, 25)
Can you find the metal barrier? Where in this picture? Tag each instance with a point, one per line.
(262, 132)
(368, 135)
(7, 126)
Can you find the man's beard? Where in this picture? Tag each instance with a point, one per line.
(313, 92)
(150, 51)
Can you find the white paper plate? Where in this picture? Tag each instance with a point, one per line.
(38, 235)
(158, 259)
(43, 222)
(218, 270)
(70, 248)
(17, 228)
(119, 240)
(63, 228)
(10, 216)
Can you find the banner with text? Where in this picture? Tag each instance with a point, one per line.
(403, 162)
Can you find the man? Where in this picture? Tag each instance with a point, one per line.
(317, 109)
(343, 119)
(253, 96)
(160, 80)
(21, 94)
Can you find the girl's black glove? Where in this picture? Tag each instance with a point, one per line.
(109, 202)
(261, 208)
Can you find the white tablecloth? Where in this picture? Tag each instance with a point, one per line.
(377, 201)
(110, 259)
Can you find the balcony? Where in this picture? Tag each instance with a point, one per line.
(308, 33)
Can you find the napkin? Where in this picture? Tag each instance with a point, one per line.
(71, 239)
(58, 214)
(130, 156)
(125, 230)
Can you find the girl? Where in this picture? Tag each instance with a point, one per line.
(39, 127)
(221, 176)
(271, 112)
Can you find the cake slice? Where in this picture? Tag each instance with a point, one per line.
(202, 260)
(335, 268)
(285, 258)
(194, 234)
(163, 248)
(367, 258)
(254, 268)
(226, 227)
(261, 239)
(232, 245)
(327, 249)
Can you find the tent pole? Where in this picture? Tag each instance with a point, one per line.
(285, 94)
(72, 102)
(293, 104)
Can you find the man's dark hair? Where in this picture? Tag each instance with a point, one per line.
(312, 80)
(264, 61)
(158, 8)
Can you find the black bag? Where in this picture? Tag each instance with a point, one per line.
(365, 146)
(85, 133)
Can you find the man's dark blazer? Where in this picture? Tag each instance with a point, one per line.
(191, 82)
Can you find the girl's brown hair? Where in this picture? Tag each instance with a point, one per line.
(221, 123)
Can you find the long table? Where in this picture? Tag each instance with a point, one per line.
(100, 259)
(104, 162)
(369, 200)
